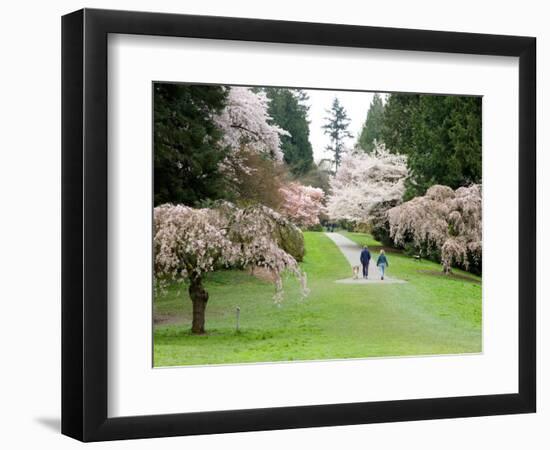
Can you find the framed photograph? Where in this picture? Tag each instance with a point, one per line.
(273, 224)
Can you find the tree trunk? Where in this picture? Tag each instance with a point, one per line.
(199, 297)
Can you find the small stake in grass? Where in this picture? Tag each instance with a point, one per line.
(238, 316)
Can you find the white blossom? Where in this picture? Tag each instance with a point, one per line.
(443, 219)
(245, 122)
(191, 242)
(364, 182)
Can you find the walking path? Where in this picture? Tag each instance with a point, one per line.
(352, 252)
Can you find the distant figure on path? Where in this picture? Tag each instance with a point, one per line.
(382, 263)
(365, 260)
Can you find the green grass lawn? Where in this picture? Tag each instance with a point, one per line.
(430, 314)
(360, 238)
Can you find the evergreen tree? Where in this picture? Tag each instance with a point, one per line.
(337, 129)
(441, 135)
(372, 128)
(187, 147)
(288, 109)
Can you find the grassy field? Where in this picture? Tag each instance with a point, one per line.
(430, 314)
(361, 238)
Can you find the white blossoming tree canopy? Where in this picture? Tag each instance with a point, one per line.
(245, 121)
(365, 182)
(248, 132)
(444, 221)
(191, 242)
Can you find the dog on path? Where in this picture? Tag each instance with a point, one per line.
(355, 272)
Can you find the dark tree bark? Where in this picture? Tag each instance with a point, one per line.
(199, 297)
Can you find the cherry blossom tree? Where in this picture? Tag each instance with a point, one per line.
(189, 243)
(245, 121)
(249, 132)
(366, 183)
(302, 204)
(443, 220)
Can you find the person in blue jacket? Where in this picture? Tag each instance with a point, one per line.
(365, 260)
(382, 263)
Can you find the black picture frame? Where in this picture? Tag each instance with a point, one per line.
(84, 224)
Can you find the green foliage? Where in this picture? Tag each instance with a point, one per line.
(187, 148)
(427, 315)
(291, 240)
(372, 128)
(316, 227)
(258, 181)
(380, 231)
(336, 128)
(288, 110)
(441, 135)
(316, 177)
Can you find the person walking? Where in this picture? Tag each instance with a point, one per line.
(365, 261)
(382, 263)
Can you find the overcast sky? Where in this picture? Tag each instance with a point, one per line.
(356, 105)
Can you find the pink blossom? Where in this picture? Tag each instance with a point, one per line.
(443, 219)
(192, 242)
(302, 204)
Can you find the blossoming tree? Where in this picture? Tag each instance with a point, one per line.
(189, 243)
(365, 183)
(443, 220)
(301, 204)
(246, 124)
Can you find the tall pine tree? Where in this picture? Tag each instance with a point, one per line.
(288, 109)
(187, 147)
(372, 128)
(336, 128)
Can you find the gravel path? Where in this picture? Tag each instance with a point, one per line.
(352, 252)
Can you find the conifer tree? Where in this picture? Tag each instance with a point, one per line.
(288, 110)
(336, 128)
(440, 134)
(372, 128)
(187, 143)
